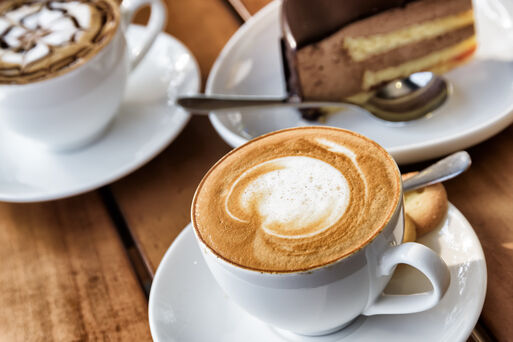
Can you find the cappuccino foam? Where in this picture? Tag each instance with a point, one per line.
(296, 199)
(43, 39)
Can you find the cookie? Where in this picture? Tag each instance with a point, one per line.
(410, 231)
(426, 207)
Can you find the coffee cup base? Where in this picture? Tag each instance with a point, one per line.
(343, 329)
(69, 146)
(81, 143)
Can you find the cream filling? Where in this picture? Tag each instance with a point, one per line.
(361, 48)
(373, 78)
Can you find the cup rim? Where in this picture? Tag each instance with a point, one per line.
(376, 233)
(74, 69)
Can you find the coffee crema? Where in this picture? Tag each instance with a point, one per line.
(44, 39)
(296, 199)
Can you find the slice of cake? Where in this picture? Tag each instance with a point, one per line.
(343, 49)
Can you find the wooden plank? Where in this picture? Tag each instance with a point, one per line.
(65, 276)
(187, 18)
(203, 26)
(155, 200)
(241, 9)
(484, 195)
(247, 8)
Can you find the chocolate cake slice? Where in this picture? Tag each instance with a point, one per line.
(344, 49)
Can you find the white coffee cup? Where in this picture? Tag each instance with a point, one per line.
(326, 299)
(73, 109)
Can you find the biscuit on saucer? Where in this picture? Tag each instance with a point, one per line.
(426, 206)
(410, 231)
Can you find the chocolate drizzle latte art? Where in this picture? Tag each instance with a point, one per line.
(296, 199)
(43, 39)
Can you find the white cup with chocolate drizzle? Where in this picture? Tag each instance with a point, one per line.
(64, 65)
(303, 229)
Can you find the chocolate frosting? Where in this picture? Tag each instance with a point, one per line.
(307, 21)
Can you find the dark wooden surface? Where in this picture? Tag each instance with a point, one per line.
(156, 200)
(484, 194)
(77, 269)
(65, 275)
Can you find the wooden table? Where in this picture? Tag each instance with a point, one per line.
(80, 269)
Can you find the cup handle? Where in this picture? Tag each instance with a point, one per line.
(426, 261)
(154, 26)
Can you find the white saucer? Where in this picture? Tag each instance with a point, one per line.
(186, 304)
(146, 123)
(480, 105)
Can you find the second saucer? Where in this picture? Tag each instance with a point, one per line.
(145, 124)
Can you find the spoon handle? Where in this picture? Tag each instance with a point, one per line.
(204, 104)
(445, 169)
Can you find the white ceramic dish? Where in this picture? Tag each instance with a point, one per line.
(146, 123)
(186, 303)
(480, 105)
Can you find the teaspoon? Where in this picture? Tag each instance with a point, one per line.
(446, 168)
(401, 100)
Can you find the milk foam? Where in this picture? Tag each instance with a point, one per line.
(337, 148)
(31, 30)
(18, 14)
(297, 197)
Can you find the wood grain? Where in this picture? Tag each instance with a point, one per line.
(64, 275)
(247, 8)
(156, 200)
(204, 26)
(484, 194)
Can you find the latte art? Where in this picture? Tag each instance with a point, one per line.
(296, 199)
(291, 197)
(32, 30)
(41, 39)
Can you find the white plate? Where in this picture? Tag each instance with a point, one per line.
(480, 105)
(146, 123)
(186, 303)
